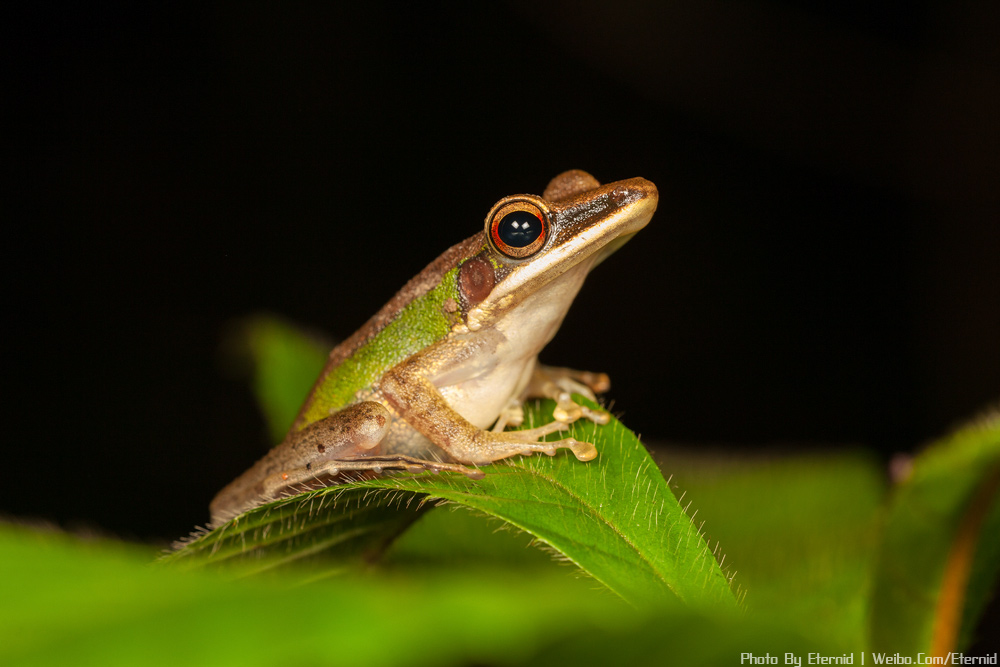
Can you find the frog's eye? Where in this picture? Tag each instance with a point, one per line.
(518, 229)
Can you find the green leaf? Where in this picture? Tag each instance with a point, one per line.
(318, 535)
(615, 518)
(63, 601)
(456, 536)
(940, 551)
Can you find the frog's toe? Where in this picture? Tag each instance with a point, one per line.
(584, 383)
(532, 434)
(415, 465)
(584, 451)
(568, 411)
(599, 417)
(598, 382)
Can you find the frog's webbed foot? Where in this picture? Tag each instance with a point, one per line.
(490, 446)
(560, 384)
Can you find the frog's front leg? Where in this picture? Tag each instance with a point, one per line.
(559, 384)
(414, 397)
(346, 441)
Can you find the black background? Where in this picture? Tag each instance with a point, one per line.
(822, 268)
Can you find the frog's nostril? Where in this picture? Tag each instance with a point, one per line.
(633, 190)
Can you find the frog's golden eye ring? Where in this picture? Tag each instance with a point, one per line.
(518, 229)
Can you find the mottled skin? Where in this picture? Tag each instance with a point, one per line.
(358, 428)
(454, 352)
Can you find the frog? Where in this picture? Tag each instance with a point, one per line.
(434, 379)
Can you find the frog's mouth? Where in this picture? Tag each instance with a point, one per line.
(597, 223)
(612, 246)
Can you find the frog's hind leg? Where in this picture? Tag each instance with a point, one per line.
(332, 450)
(379, 464)
(337, 471)
(319, 475)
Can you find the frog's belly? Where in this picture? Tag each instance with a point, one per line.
(481, 398)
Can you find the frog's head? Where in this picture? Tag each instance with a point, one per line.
(531, 241)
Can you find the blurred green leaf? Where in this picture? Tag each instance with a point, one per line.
(940, 549)
(796, 531)
(285, 364)
(67, 602)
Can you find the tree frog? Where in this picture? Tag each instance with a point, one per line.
(431, 381)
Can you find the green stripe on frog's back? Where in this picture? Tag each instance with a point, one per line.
(422, 313)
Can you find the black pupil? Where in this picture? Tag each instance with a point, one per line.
(519, 229)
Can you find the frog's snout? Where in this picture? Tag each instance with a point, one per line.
(635, 191)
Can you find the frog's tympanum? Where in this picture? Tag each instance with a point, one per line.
(433, 379)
